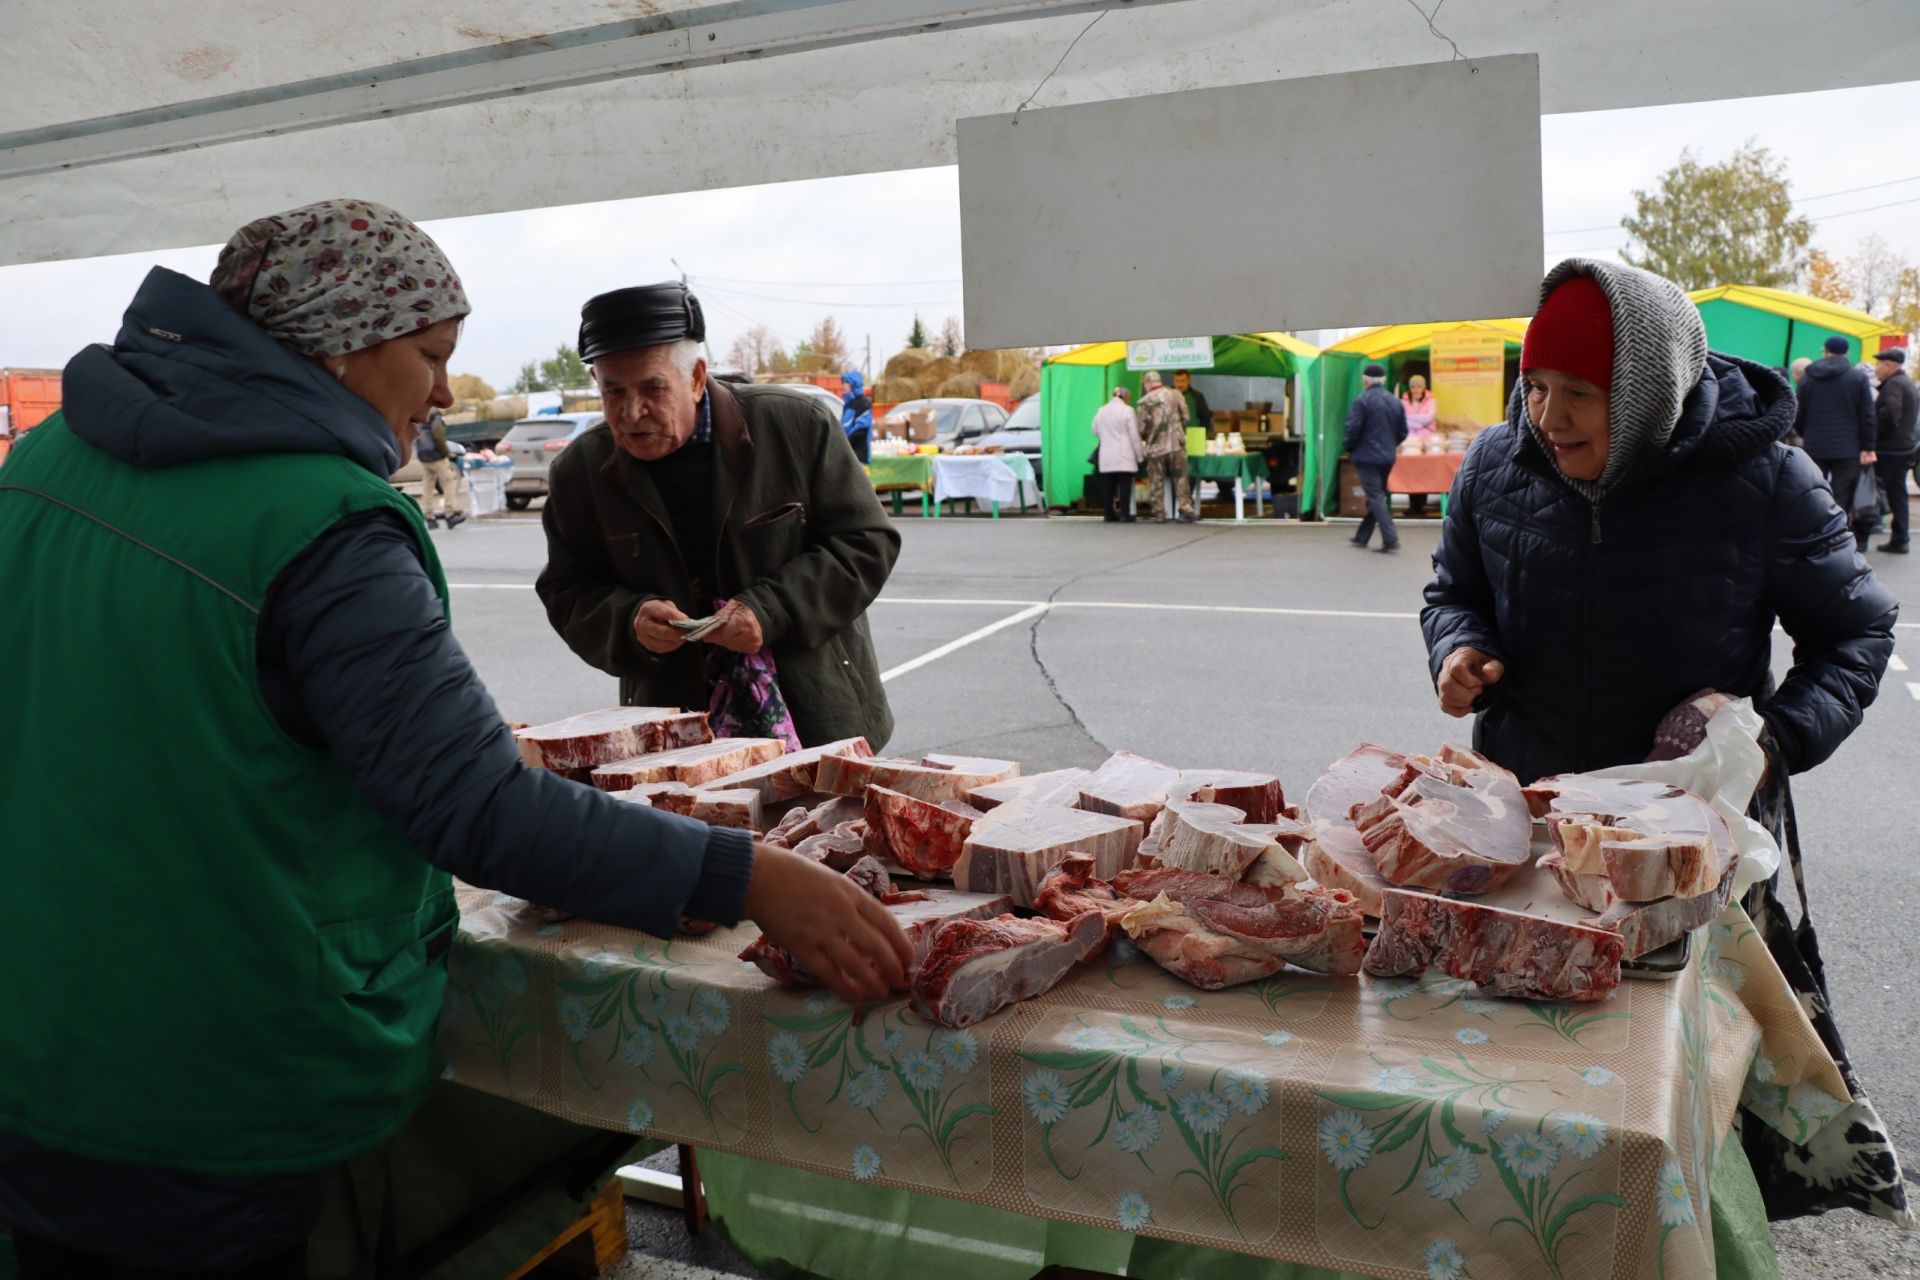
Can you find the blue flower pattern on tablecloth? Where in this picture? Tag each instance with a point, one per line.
(1452, 1177)
(1529, 1155)
(1580, 1135)
(1046, 1096)
(1201, 1110)
(867, 1089)
(922, 1071)
(788, 1058)
(1346, 1141)
(959, 1050)
(1132, 1211)
(866, 1162)
(1138, 1130)
(1444, 1261)
(1675, 1201)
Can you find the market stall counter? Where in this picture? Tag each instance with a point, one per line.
(1371, 1127)
(1425, 473)
(1248, 471)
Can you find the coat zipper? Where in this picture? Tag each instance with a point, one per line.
(1594, 539)
(1587, 669)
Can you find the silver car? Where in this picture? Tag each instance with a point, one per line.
(533, 443)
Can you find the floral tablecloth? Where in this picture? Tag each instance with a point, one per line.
(1392, 1128)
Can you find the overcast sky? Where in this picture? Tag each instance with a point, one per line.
(873, 250)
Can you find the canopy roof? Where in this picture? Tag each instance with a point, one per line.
(146, 126)
(1798, 306)
(1246, 354)
(1392, 339)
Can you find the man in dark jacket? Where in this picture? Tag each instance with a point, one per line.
(1607, 557)
(1376, 424)
(695, 496)
(1895, 410)
(1834, 418)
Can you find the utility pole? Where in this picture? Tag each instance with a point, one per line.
(867, 367)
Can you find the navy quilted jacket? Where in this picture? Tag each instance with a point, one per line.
(1608, 616)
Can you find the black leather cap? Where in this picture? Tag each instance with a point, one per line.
(649, 315)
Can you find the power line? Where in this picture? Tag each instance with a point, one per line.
(1824, 195)
(830, 284)
(832, 303)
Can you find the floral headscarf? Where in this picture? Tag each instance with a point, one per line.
(335, 277)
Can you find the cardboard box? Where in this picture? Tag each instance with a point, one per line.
(915, 425)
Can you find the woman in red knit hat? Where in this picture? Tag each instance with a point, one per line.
(1626, 540)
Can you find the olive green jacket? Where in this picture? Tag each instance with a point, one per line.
(802, 540)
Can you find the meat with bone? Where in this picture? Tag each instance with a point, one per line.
(793, 774)
(1510, 953)
(1338, 858)
(1648, 926)
(1003, 769)
(925, 838)
(1648, 839)
(690, 765)
(1211, 838)
(1129, 786)
(1451, 824)
(918, 915)
(1356, 778)
(804, 821)
(871, 876)
(1213, 941)
(1010, 849)
(1058, 787)
(845, 775)
(1257, 795)
(1072, 889)
(612, 733)
(740, 809)
(974, 968)
(839, 848)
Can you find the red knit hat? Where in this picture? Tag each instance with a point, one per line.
(1573, 334)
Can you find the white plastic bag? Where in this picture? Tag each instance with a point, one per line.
(1723, 770)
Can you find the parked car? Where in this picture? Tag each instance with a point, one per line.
(411, 478)
(532, 444)
(829, 401)
(955, 421)
(1020, 435)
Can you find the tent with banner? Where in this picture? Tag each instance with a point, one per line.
(1475, 361)
(1075, 384)
(1774, 327)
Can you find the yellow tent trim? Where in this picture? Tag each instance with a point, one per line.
(1798, 306)
(1390, 339)
(1106, 353)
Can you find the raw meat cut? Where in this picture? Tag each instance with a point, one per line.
(1011, 848)
(1214, 940)
(739, 809)
(1650, 840)
(918, 916)
(790, 775)
(1059, 787)
(612, 733)
(1648, 926)
(1507, 952)
(1006, 770)
(974, 968)
(804, 821)
(839, 848)
(1212, 838)
(847, 775)
(690, 765)
(1258, 795)
(1449, 825)
(1356, 778)
(1129, 786)
(871, 876)
(1338, 858)
(1072, 889)
(924, 838)
(1146, 884)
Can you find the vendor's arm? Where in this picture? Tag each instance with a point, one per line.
(592, 610)
(357, 658)
(1837, 613)
(851, 549)
(1460, 607)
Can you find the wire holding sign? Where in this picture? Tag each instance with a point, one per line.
(1170, 353)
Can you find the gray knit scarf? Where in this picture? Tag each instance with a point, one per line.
(1659, 351)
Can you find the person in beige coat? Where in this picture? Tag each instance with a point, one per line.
(1120, 456)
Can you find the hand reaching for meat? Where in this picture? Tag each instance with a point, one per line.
(1464, 676)
(837, 931)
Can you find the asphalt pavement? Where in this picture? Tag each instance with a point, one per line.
(1276, 647)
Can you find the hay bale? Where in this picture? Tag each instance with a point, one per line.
(1025, 383)
(996, 365)
(893, 390)
(964, 385)
(503, 409)
(935, 372)
(908, 363)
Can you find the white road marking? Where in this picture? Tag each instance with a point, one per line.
(1165, 608)
(934, 655)
(1913, 687)
(1897, 662)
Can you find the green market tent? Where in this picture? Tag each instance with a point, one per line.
(1334, 381)
(1075, 384)
(1774, 327)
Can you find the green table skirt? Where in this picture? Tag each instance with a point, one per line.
(1224, 466)
(789, 1222)
(913, 471)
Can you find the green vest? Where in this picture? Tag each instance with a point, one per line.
(214, 955)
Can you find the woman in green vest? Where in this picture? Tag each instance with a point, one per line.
(246, 756)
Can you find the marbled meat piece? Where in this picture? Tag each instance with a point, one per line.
(918, 915)
(845, 775)
(975, 968)
(1211, 838)
(1448, 825)
(690, 765)
(924, 838)
(1507, 952)
(612, 733)
(1057, 787)
(839, 848)
(871, 876)
(1648, 926)
(1214, 941)
(794, 774)
(804, 821)
(1012, 848)
(1649, 839)
(1595, 893)
(1129, 786)
(1337, 858)
(1072, 889)
(668, 797)
(738, 808)
(1258, 795)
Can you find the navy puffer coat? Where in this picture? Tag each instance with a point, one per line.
(1608, 615)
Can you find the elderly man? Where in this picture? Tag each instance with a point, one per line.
(1119, 456)
(1895, 410)
(699, 499)
(1163, 434)
(1376, 424)
(1833, 415)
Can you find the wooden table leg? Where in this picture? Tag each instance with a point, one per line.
(693, 1197)
(594, 1244)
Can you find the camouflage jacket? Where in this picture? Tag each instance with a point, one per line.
(1163, 422)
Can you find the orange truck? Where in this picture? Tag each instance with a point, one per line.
(28, 397)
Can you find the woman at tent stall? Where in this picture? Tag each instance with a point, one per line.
(1421, 407)
(1625, 541)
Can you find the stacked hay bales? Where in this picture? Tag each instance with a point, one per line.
(964, 385)
(918, 374)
